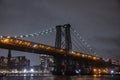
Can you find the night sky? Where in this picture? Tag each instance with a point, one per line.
(97, 21)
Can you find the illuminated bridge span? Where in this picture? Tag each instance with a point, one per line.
(27, 46)
(66, 60)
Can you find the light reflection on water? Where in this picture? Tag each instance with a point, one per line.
(85, 77)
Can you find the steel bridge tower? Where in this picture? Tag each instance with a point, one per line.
(63, 66)
(63, 31)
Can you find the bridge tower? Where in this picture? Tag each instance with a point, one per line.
(9, 58)
(58, 36)
(63, 66)
(68, 43)
(63, 31)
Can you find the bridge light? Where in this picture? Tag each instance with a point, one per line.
(94, 58)
(21, 36)
(31, 70)
(41, 46)
(83, 55)
(26, 35)
(17, 41)
(20, 42)
(35, 45)
(31, 35)
(78, 54)
(42, 33)
(1, 36)
(25, 70)
(94, 70)
(36, 34)
(90, 56)
(48, 48)
(6, 40)
(112, 71)
(61, 50)
(15, 36)
(97, 58)
(28, 44)
(8, 36)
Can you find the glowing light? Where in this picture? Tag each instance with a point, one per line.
(78, 71)
(25, 70)
(46, 32)
(61, 50)
(42, 33)
(36, 34)
(1, 36)
(78, 54)
(112, 71)
(15, 36)
(94, 70)
(31, 34)
(32, 70)
(26, 35)
(6, 40)
(48, 48)
(83, 55)
(94, 58)
(35, 45)
(8, 36)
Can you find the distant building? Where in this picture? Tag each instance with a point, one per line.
(115, 62)
(46, 62)
(18, 62)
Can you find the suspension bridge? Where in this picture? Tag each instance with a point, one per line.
(66, 59)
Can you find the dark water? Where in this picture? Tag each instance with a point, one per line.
(85, 77)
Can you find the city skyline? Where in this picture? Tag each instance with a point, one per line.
(98, 22)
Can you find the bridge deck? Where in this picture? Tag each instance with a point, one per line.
(32, 47)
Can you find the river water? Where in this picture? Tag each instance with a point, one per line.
(83, 77)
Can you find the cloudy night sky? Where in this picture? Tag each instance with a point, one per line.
(97, 21)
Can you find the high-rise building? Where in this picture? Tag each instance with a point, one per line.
(46, 62)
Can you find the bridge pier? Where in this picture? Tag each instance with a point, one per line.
(64, 66)
(59, 67)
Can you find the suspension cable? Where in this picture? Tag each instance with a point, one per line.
(45, 32)
(83, 41)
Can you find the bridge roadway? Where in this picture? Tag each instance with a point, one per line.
(32, 47)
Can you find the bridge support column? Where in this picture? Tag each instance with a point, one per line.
(60, 67)
(70, 64)
(58, 36)
(9, 59)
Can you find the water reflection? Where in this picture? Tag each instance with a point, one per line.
(90, 77)
(63, 78)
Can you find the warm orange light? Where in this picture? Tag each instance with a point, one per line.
(83, 55)
(94, 70)
(6, 40)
